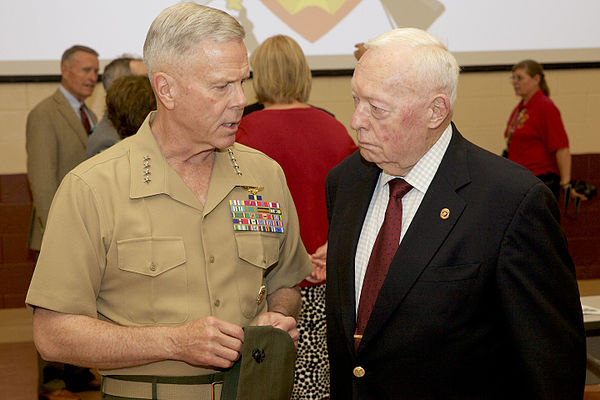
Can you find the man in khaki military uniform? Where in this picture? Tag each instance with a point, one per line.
(168, 243)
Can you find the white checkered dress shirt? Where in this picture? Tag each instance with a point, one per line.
(420, 176)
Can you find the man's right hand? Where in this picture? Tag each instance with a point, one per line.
(82, 340)
(208, 342)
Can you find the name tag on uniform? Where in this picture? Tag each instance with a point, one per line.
(256, 215)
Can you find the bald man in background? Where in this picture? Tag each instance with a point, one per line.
(56, 137)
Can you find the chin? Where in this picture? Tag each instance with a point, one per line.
(226, 142)
(366, 154)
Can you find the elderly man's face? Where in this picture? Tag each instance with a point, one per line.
(210, 99)
(80, 74)
(390, 112)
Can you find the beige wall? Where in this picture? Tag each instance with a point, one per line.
(484, 103)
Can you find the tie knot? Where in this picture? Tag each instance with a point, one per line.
(399, 187)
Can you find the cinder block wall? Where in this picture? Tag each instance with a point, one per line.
(484, 103)
(583, 229)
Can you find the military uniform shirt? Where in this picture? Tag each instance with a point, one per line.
(128, 242)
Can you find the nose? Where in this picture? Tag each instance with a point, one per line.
(360, 117)
(239, 97)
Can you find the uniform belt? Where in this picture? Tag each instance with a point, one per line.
(201, 387)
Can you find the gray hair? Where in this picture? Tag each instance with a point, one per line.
(115, 69)
(435, 65)
(174, 34)
(70, 52)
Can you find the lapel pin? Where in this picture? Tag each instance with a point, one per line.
(445, 213)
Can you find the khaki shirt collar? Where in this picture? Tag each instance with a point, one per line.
(152, 175)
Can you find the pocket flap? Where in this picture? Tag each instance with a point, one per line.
(150, 256)
(450, 273)
(257, 249)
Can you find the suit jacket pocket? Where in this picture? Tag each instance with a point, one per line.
(450, 273)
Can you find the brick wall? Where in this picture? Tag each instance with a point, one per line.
(16, 262)
(583, 229)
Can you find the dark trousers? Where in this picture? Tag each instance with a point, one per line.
(55, 376)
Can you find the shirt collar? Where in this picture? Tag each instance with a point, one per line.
(151, 174)
(73, 102)
(534, 99)
(147, 164)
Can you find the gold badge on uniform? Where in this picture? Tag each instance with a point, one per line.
(261, 294)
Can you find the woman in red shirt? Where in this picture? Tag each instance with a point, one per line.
(535, 134)
(307, 142)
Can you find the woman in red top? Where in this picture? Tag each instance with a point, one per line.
(307, 142)
(535, 134)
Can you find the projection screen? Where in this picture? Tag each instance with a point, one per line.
(478, 32)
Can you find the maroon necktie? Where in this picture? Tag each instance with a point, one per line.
(383, 251)
(84, 120)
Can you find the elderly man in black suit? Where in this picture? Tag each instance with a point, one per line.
(463, 287)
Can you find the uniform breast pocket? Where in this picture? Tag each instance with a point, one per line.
(259, 252)
(154, 279)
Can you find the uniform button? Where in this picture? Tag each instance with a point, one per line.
(264, 261)
(217, 303)
(211, 259)
(358, 372)
(152, 267)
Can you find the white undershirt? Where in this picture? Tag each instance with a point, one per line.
(419, 177)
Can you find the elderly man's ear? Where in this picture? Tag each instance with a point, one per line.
(439, 110)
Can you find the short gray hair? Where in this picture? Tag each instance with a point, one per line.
(177, 29)
(115, 69)
(70, 52)
(431, 59)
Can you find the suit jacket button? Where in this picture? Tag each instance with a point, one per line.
(358, 372)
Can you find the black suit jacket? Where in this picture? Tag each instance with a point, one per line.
(483, 304)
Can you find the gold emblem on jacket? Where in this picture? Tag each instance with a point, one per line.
(358, 372)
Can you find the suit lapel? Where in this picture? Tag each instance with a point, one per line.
(356, 196)
(426, 234)
(67, 112)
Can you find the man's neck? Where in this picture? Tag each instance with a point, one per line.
(73, 95)
(193, 165)
(174, 147)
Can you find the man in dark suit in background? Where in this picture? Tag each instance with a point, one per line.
(480, 299)
(56, 137)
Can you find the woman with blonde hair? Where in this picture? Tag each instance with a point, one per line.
(307, 142)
